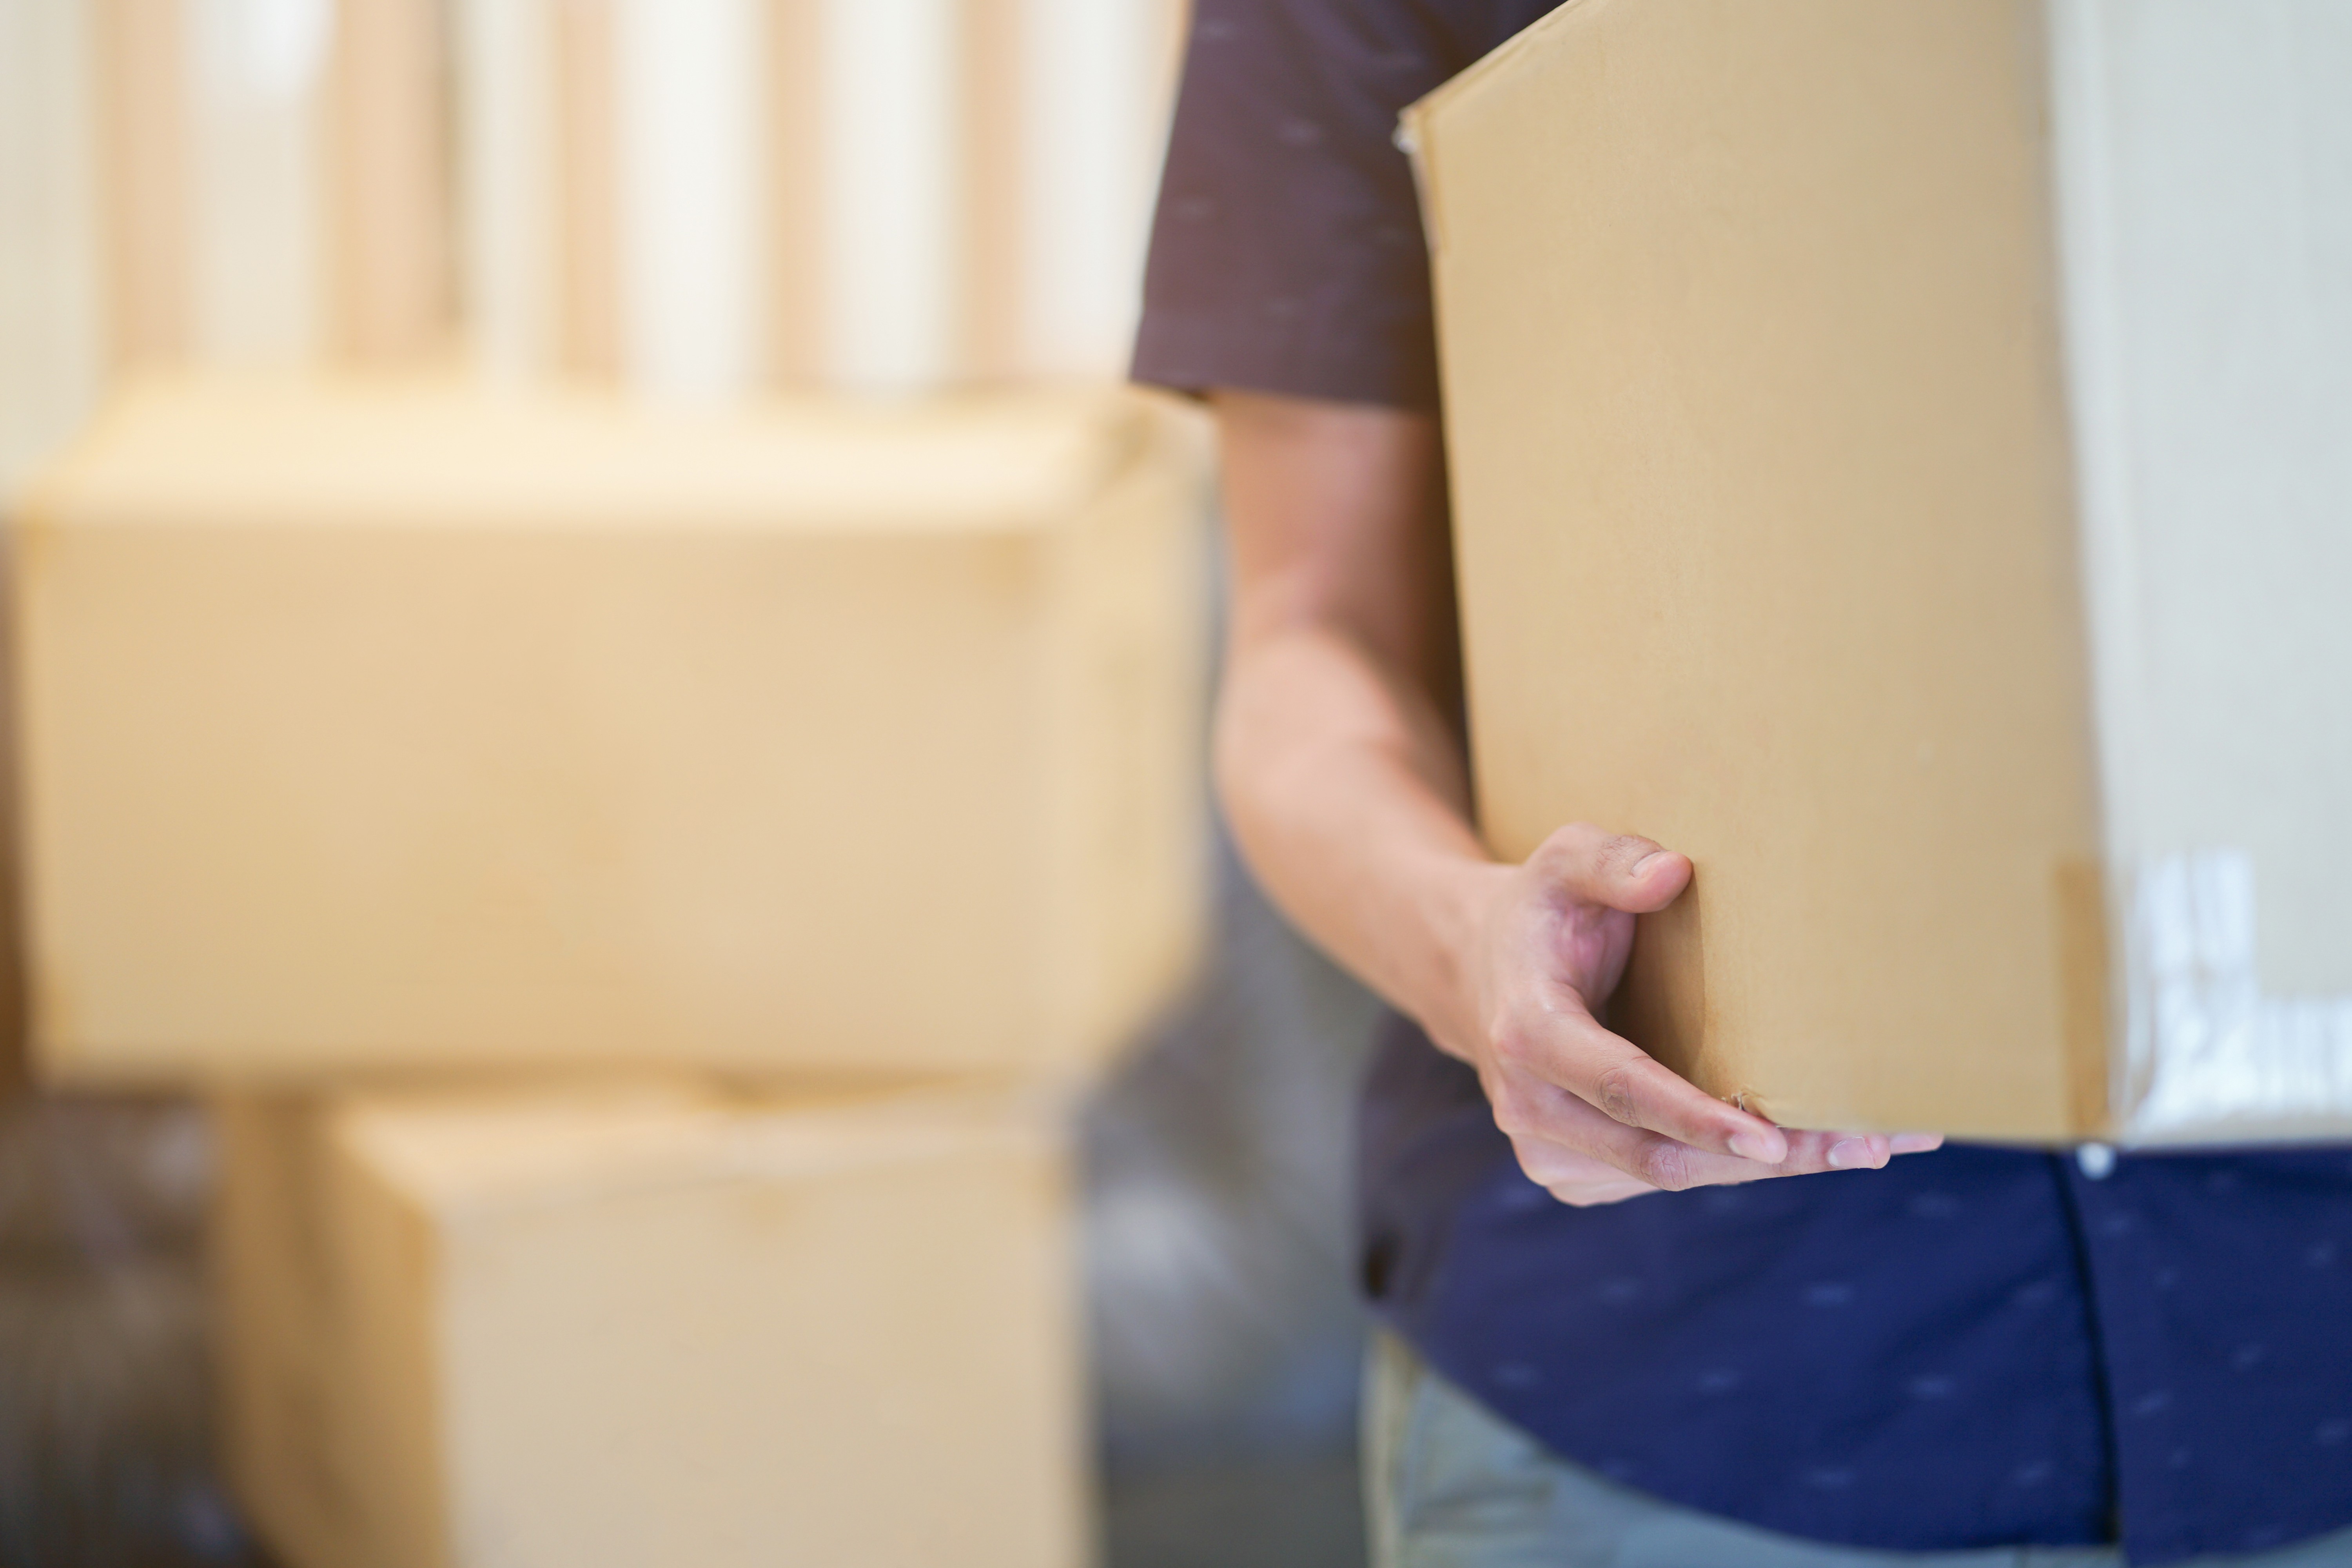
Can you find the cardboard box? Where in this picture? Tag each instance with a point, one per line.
(1900, 458)
(386, 728)
(573, 1326)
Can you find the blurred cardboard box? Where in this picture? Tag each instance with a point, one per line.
(1901, 456)
(388, 728)
(570, 1327)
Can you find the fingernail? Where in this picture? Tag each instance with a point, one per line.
(1755, 1146)
(1643, 863)
(1851, 1152)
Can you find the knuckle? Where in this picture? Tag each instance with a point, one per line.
(1548, 1164)
(1666, 1166)
(1513, 1041)
(1570, 845)
(1519, 1108)
(1616, 1092)
(1580, 846)
(1513, 1115)
(1624, 851)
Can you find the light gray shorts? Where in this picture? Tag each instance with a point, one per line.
(1448, 1485)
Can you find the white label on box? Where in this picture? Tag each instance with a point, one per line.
(2207, 1047)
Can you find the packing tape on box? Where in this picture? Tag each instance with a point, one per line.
(2205, 1045)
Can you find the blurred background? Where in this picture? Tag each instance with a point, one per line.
(699, 208)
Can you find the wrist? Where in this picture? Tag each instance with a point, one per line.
(1458, 906)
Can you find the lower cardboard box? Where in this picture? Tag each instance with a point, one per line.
(629, 1324)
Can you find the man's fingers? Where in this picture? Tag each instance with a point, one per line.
(1586, 1068)
(1606, 1162)
(1842, 1151)
(1572, 1052)
(1560, 1136)
(1637, 1091)
(1617, 872)
(1606, 1155)
(1852, 1150)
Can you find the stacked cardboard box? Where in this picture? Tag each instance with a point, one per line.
(380, 728)
(1901, 456)
(379, 737)
(406, 733)
(646, 1324)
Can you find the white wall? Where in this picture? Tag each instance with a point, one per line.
(50, 350)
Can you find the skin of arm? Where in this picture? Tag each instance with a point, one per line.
(1340, 764)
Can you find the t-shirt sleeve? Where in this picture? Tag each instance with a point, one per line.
(1287, 253)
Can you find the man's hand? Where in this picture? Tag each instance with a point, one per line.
(1340, 761)
(1592, 1119)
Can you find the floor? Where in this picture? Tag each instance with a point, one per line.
(1227, 1337)
(1293, 1512)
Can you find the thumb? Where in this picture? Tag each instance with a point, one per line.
(1617, 872)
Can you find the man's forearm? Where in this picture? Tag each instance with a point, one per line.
(1340, 768)
(1346, 791)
